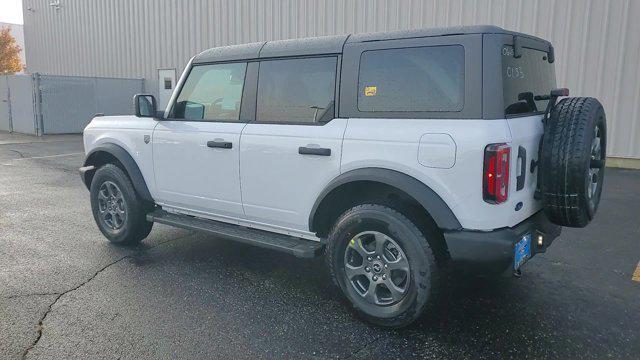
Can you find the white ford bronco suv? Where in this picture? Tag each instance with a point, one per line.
(392, 154)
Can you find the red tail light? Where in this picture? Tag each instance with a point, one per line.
(495, 179)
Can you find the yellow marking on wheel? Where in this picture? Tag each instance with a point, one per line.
(636, 274)
(353, 241)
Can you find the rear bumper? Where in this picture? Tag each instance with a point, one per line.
(496, 248)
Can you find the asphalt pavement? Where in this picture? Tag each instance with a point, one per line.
(65, 292)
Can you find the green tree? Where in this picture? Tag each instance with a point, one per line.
(9, 53)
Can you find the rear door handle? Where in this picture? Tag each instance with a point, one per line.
(314, 151)
(522, 156)
(220, 144)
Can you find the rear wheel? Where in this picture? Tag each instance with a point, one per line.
(383, 264)
(118, 211)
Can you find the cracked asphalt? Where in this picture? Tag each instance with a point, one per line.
(65, 292)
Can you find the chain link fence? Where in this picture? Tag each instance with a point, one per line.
(51, 104)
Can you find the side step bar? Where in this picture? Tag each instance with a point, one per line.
(298, 247)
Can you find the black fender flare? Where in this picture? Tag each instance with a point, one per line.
(423, 194)
(126, 160)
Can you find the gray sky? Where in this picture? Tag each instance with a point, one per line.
(11, 11)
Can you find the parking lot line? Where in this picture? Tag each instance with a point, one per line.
(47, 156)
(636, 274)
(8, 162)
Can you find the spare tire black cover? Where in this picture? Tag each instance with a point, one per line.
(572, 161)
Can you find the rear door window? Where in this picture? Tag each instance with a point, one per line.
(412, 79)
(296, 90)
(525, 77)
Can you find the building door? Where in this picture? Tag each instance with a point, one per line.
(166, 84)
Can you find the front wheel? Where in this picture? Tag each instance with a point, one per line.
(117, 209)
(383, 264)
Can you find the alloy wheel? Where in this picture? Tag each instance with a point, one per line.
(596, 164)
(111, 205)
(377, 268)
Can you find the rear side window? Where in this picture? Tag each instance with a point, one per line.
(412, 79)
(211, 92)
(296, 90)
(525, 77)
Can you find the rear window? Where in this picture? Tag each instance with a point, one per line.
(412, 79)
(524, 78)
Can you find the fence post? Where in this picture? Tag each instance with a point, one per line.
(6, 78)
(37, 105)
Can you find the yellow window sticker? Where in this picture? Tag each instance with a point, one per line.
(370, 90)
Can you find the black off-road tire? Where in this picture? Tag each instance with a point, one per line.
(135, 226)
(425, 276)
(568, 156)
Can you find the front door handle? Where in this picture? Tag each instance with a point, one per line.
(220, 144)
(303, 150)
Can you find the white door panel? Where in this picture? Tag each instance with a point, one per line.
(189, 174)
(279, 185)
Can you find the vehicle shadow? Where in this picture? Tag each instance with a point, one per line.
(253, 291)
(481, 313)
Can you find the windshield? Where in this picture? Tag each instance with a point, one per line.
(525, 77)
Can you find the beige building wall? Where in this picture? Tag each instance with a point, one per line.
(597, 42)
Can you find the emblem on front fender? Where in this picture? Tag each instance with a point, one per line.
(147, 138)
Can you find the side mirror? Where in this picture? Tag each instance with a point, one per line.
(145, 105)
(193, 111)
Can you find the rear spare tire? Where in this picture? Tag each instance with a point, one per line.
(572, 161)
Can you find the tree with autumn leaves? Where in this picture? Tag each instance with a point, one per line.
(9, 53)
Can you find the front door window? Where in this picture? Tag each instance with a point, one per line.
(211, 92)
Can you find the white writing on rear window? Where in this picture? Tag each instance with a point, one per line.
(515, 72)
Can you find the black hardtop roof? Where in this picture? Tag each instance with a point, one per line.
(265, 49)
(334, 44)
(430, 32)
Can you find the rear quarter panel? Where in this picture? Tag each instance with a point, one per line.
(394, 144)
